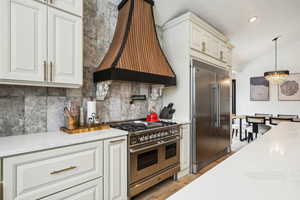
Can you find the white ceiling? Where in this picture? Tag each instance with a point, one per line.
(251, 40)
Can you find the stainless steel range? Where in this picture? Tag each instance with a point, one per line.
(153, 150)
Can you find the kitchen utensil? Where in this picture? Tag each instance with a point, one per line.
(67, 112)
(71, 121)
(167, 112)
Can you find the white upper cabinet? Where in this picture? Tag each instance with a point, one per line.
(229, 55)
(28, 50)
(73, 6)
(65, 47)
(208, 44)
(205, 41)
(40, 45)
(198, 39)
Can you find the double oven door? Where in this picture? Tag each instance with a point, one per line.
(152, 159)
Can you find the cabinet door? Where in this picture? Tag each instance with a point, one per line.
(213, 46)
(4, 37)
(203, 41)
(115, 169)
(72, 6)
(197, 41)
(27, 36)
(222, 51)
(185, 148)
(229, 57)
(64, 47)
(92, 190)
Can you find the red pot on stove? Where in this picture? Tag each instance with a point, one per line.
(152, 117)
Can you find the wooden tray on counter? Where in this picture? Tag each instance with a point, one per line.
(85, 129)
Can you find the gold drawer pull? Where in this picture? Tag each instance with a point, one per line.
(63, 170)
(51, 71)
(45, 71)
(203, 46)
(221, 55)
(115, 141)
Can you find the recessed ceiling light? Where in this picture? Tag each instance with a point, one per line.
(252, 19)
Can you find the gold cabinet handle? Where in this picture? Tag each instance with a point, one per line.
(115, 141)
(45, 71)
(63, 170)
(203, 46)
(51, 71)
(221, 55)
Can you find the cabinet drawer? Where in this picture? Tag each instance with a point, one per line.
(39, 174)
(92, 190)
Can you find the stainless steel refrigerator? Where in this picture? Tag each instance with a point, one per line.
(210, 114)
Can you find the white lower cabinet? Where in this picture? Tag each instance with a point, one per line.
(35, 175)
(185, 150)
(90, 171)
(115, 169)
(92, 190)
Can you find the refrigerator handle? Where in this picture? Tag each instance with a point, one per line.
(214, 106)
(219, 106)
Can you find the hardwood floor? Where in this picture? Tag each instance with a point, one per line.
(168, 187)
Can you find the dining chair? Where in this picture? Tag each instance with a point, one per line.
(254, 122)
(276, 120)
(235, 127)
(287, 116)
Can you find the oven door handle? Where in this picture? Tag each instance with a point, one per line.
(145, 148)
(173, 140)
(154, 145)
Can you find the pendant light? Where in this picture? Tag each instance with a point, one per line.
(276, 76)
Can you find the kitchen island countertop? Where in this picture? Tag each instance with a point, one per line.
(14, 145)
(267, 169)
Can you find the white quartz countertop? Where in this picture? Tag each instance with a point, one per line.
(14, 145)
(267, 169)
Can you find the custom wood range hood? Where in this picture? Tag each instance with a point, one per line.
(135, 53)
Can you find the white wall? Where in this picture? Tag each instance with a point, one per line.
(288, 58)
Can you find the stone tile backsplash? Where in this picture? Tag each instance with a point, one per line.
(34, 110)
(25, 109)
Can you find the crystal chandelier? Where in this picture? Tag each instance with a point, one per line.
(276, 76)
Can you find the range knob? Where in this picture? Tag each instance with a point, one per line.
(141, 139)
